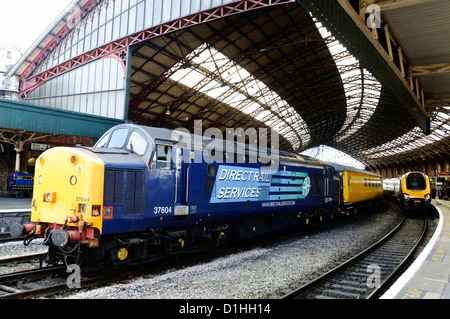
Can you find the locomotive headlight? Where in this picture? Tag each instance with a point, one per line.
(73, 180)
(427, 197)
(74, 159)
(50, 197)
(40, 179)
(108, 212)
(406, 196)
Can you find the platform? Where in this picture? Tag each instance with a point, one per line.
(429, 275)
(13, 210)
(11, 204)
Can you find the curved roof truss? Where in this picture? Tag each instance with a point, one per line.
(250, 63)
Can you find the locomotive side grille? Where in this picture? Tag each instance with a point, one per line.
(127, 191)
(108, 197)
(134, 198)
(113, 191)
(139, 193)
(118, 188)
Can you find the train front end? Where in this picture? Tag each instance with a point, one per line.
(67, 201)
(416, 192)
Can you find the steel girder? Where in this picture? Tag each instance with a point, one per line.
(30, 84)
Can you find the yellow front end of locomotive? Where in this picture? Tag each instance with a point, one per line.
(68, 188)
(418, 193)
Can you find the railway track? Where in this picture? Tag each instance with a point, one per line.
(6, 238)
(20, 259)
(47, 282)
(31, 282)
(362, 276)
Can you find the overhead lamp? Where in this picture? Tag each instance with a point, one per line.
(168, 110)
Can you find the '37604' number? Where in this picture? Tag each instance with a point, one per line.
(162, 210)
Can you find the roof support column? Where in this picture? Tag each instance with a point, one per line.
(18, 147)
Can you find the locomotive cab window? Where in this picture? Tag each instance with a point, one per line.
(164, 156)
(118, 138)
(416, 182)
(102, 142)
(137, 144)
(211, 170)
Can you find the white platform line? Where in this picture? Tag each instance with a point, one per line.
(408, 274)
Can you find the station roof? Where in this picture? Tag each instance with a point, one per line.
(19, 116)
(43, 45)
(283, 49)
(273, 68)
(420, 29)
(267, 68)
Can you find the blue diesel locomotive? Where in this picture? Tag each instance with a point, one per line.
(142, 192)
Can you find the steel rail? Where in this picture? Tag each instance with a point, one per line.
(20, 259)
(328, 276)
(397, 269)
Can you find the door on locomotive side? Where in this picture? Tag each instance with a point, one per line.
(162, 179)
(181, 196)
(169, 176)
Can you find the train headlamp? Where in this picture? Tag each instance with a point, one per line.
(73, 180)
(40, 179)
(406, 196)
(108, 212)
(427, 197)
(74, 159)
(50, 197)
